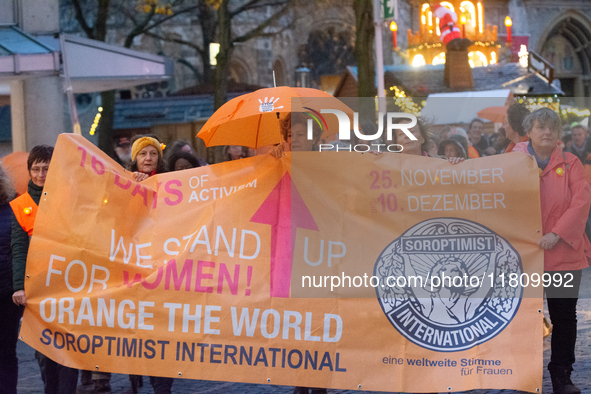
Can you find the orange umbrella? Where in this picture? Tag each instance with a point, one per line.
(253, 119)
(15, 165)
(494, 114)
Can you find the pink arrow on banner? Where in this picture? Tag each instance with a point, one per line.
(285, 210)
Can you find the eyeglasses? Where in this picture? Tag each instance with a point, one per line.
(39, 170)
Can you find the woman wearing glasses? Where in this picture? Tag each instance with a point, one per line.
(57, 378)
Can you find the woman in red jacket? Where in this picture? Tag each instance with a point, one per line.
(565, 197)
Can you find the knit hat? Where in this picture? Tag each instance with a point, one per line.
(123, 141)
(141, 143)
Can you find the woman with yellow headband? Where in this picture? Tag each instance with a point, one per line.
(146, 157)
(146, 160)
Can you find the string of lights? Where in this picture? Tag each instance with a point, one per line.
(408, 105)
(97, 119)
(426, 45)
(533, 103)
(405, 103)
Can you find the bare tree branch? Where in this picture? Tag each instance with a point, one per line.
(144, 27)
(159, 22)
(274, 33)
(199, 49)
(81, 20)
(191, 67)
(243, 8)
(259, 30)
(254, 4)
(137, 30)
(128, 14)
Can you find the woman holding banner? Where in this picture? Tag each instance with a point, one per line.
(565, 197)
(57, 378)
(146, 157)
(147, 160)
(294, 132)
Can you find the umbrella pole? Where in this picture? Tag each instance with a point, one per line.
(274, 84)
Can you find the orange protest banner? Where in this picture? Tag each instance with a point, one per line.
(336, 270)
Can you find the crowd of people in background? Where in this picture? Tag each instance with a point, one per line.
(474, 140)
(454, 141)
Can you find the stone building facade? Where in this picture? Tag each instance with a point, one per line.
(559, 30)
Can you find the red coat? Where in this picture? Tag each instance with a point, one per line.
(565, 197)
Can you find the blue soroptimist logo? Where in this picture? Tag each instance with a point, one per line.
(441, 284)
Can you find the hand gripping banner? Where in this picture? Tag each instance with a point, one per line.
(322, 269)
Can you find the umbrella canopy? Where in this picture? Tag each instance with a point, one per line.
(494, 114)
(15, 165)
(253, 119)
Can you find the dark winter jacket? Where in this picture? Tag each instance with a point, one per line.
(482, 146)
(580, 153)
(6, 216)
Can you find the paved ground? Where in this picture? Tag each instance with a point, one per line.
(30, 379)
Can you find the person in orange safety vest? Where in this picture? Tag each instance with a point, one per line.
(56, 377)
